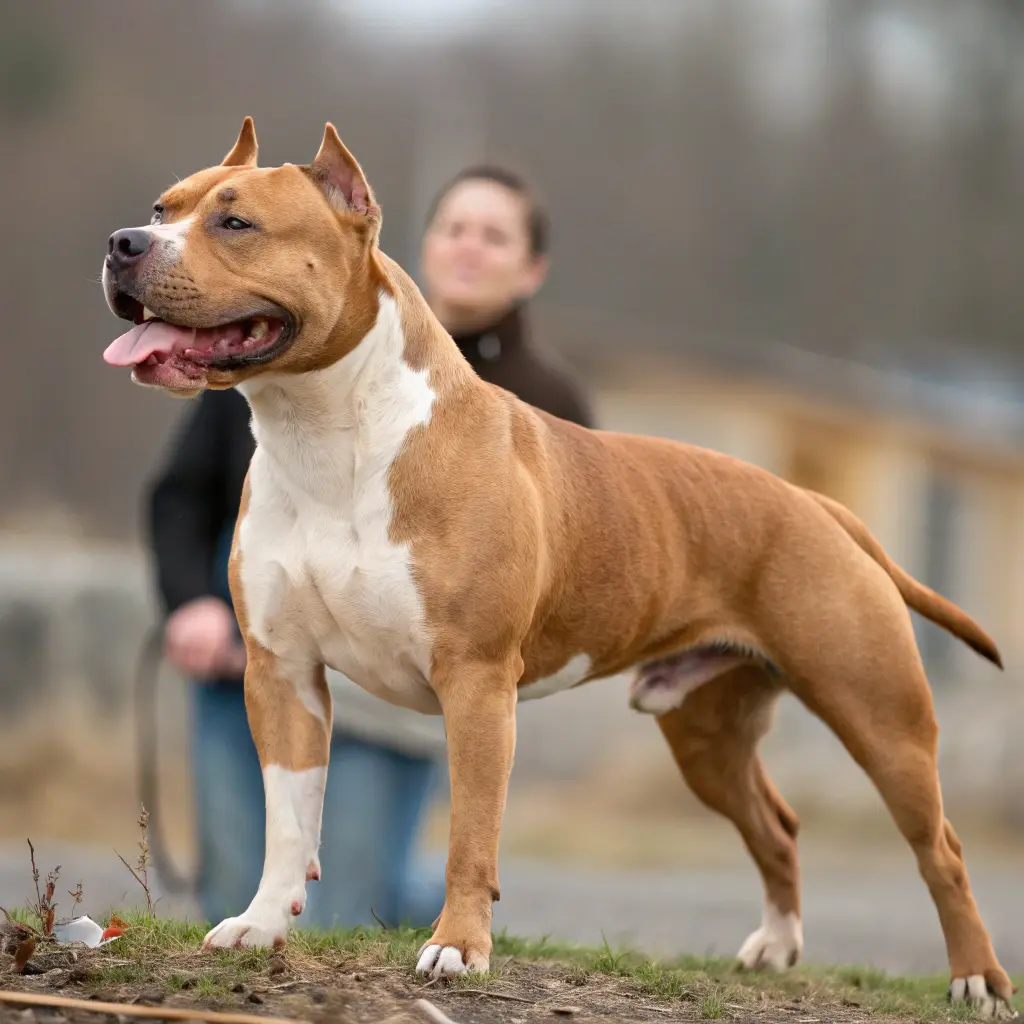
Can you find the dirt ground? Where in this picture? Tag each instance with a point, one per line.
(367, 977)
(524, 992)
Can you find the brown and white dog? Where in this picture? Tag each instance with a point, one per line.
(455, 551)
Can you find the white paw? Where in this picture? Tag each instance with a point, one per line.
(777, 944)
(446, 962)
(248, 930)
(975, 992)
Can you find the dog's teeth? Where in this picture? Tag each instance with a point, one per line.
(259, 330)
(148, 314)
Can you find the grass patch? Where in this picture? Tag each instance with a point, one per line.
(712, 1006)
(159, 955)
(708, 982)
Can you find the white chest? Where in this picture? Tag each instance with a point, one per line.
(321, 577)
(319, 587)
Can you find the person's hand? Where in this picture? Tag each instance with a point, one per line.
(200, 640)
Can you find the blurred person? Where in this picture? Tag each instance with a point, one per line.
(484, 255)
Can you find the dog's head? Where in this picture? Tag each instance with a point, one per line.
(245, 269)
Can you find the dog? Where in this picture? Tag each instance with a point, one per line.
(456, 551)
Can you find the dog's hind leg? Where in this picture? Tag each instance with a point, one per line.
(890, 730)
(847, 647)
(713, 736)
(289, 709)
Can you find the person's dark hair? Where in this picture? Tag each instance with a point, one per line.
(537, 227)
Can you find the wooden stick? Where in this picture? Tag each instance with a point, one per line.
(130, 1010)
(430, 1011)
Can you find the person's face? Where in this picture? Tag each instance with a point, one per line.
(476, 258)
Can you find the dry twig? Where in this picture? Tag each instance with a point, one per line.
(141, 870)
(45, 909)
(376, 918)
(77, 895)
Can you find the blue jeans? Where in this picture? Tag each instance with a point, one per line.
(372, 809)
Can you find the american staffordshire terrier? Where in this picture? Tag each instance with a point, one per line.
(455, 551)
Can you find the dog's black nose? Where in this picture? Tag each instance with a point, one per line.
(128, 244)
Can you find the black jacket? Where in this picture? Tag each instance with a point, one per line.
(194, 499)
(503, 355)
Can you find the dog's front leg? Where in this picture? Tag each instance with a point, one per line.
(289, 709)
(479, 704)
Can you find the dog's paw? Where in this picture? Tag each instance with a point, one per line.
(439, 961)
(777, 944)
(979, 994)
(248, 930)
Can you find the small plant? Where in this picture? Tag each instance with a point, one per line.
(141, 870)
(45, 908)
(606, 961)
(18, 936)
(577, 975)
(712, 1006)
(77, 895)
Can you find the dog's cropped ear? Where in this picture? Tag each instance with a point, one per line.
(341, 179)
(244, 151)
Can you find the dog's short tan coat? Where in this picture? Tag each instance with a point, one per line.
(449, 546)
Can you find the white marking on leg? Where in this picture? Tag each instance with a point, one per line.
(446, 962)
(975, 992)
(294, 808)
(571, 674)
(778, 943)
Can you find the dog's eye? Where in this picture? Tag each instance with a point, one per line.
(158, 214)
(235, 224)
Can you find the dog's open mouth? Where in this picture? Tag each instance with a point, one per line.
(194, 351)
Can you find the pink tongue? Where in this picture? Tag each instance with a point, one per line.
(155, 336)
(138, 344)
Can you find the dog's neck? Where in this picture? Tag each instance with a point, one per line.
(324, 428)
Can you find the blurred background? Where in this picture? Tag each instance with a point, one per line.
(785, 229)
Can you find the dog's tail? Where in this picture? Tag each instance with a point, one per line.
(919, 597)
